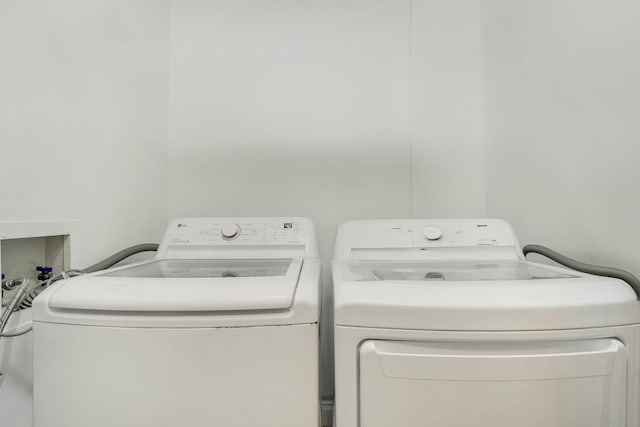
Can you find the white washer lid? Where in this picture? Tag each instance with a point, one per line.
(184, 285)
(481, 296)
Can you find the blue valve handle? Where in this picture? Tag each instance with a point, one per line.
(44, 269)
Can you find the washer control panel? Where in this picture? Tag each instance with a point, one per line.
(238, 231)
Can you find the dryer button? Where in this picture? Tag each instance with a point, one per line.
(431, 232)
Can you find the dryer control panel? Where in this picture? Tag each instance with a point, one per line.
(264, 233)
(453, 236)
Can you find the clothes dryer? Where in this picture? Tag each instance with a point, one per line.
(443, 323)
(219, 329)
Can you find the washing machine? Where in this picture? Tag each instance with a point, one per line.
(219, 329)
(443, 323)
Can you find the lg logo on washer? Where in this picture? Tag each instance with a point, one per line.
(288, 225)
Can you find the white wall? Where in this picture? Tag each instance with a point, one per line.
(447, 101)
(83, 118)
(291, 107)
(562, 125)
(83, 133)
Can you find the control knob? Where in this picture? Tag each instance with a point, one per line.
(431, 232)
(230, 231)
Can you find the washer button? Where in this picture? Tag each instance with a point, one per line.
(230, 231)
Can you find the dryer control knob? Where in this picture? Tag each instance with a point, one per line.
(230, 231)
(431, 232)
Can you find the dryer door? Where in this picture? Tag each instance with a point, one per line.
(551, 384)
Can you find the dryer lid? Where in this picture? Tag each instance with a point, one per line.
(483, 295)
(184, 285)
(460, 271)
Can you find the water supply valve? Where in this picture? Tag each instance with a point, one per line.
(45, 272)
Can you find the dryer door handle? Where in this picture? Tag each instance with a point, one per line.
(497, 361)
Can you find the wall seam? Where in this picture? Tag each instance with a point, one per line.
(169, 110)
(411, 180)
(483, 109)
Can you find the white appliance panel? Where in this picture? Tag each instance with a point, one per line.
(220, 329)
(555, 384)
(414, 239)
(196, 377)
(209, 238)
(443, 323)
